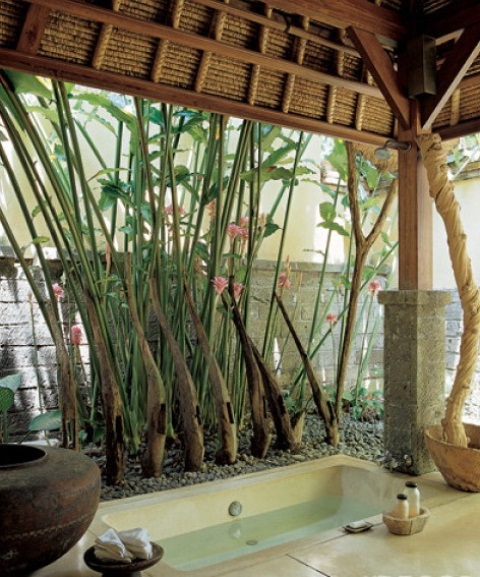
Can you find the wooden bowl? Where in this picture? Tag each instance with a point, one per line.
(407, 526)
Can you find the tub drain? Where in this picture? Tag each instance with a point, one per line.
(252, 542)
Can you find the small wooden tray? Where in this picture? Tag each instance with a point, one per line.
(115, 569)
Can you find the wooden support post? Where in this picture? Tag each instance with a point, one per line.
(415, 217)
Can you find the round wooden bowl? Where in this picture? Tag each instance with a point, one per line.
(407, 526)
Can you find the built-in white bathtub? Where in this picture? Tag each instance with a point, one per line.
(189, 522)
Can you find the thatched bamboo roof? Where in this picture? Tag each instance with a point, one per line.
(339, 67)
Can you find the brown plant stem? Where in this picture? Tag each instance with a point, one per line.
(261, 437)
(324, 406)
(442, 192)
(153, 457)
(192, 426)
(111, 401)
(227, 454)
(66, 384)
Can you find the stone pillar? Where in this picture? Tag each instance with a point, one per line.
(414, 373)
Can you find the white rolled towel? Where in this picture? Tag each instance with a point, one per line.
(109, 547)
(137, 541)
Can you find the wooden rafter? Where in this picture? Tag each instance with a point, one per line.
(299, 54)
(453, 19)
(451, 73)
(32, 31)
(343, 13)
(381, 68)
(197, 42)
(170, 94)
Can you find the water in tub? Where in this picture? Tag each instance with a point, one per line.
(197, 529)
(242, 536)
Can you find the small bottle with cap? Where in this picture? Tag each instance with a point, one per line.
(401, 509)
(413, 497)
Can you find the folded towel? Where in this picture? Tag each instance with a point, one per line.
(137, 541)
(109, 547)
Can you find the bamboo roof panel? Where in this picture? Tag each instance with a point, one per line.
(315, 66)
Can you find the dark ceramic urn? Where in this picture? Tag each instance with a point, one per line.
(48, 498)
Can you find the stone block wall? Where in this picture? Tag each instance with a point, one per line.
(26, 346)
(299, 301)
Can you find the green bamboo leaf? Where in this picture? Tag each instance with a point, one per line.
(270, 228)
(12, 382)
(120, 114)
(277, 155)
(338, 159)
(48, 113)
(40, 240)
(327, 211)
(371, 174)
(28, 84)
(6, 399)
(49, 421)
(334, 226)
(269, 134)
(155, 116)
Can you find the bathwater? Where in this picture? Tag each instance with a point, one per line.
(241, 536)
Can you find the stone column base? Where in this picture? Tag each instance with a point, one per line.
(414, 374)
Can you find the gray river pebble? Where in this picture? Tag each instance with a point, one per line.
(358, 439)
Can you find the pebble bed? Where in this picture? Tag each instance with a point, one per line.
(363, 440)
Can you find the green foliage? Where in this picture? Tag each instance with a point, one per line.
(8, 385)
(48, 421)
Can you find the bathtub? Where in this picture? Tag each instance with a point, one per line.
(207, 528)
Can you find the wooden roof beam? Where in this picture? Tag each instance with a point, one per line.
(451, 73)
(361, 14)
(453, 19)
(381, 68)
(201, 43)
(147, 89)
(32, 30)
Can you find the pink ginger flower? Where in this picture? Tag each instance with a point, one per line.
(243, 232)
(374, 287)
(233, 230)
(212, 209)
(244, 220)
(58, 291)
(331, 318)
(284, 281)
(220, 283)
(237, 290)
(76, 335)
(169, 209)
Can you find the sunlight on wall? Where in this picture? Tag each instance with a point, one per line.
(467, 194)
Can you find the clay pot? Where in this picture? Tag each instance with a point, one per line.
(459, 466)
(48, 497)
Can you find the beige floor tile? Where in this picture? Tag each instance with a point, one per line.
(281, 567)
(446, 548)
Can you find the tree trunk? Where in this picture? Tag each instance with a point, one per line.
(442, 192)
(363, 244)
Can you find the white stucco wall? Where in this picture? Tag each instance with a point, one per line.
(468, 196)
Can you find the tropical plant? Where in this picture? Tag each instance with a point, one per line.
(8, 385)
(163, 233)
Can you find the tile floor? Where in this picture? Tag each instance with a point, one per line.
(447, 547)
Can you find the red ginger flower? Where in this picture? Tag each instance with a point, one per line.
(76, 335)
(220, 283)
